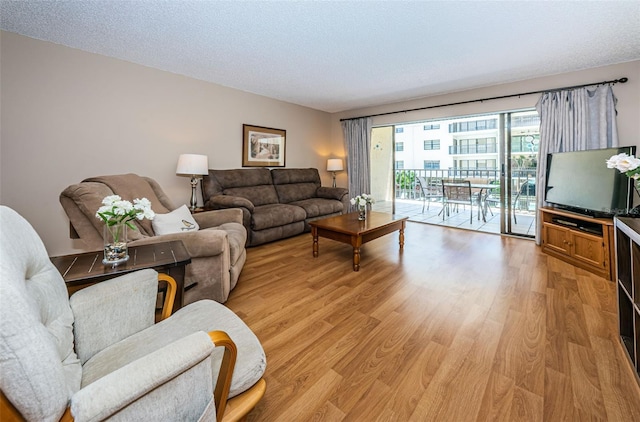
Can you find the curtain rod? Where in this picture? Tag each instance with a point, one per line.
(615, 81)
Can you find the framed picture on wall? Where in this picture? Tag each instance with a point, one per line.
(263, 146)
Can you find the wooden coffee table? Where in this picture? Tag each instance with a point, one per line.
(348, 229)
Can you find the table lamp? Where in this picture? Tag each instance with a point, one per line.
(193, 165)
(334, 165)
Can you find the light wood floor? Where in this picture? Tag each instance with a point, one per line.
(461, 326)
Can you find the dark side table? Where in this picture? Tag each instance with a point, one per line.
(84, 269)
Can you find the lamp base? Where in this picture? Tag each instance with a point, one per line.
(334, 179)
(194, 198)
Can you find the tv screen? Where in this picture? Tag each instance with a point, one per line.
(580, 181)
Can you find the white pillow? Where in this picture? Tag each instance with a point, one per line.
(179, 220)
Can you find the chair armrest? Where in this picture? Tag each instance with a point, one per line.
(201, 243)
(223, 383)
(215, 218)
(169, 297)
(152, 383)
(229, 201)
(125, 304)
(331, 193)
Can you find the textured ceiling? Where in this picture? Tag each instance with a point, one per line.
(340, 55)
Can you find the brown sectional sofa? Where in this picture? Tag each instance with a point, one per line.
(276, 203)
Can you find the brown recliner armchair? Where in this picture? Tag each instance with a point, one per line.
(217, 250)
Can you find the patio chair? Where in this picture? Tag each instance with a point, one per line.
(526, 192)
(457, 193)
(429, 189)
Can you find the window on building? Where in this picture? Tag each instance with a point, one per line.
(477, 164)
(475, 146)
(400, 165)
(431, 144)
(530, 120)
(525, 143)
(431, 127)
(473, 125)
(399, 129)
(431, 164)
(399, 146)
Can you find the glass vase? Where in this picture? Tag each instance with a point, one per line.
(362, 212)
(115, 244)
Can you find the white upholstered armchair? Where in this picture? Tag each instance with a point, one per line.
(99, 355)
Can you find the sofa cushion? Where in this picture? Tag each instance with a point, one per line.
(274, 215)
(258, 195)
(288, 176)
(217, 181)
(331, 193)
(204, 315)
(296, 192)
(295, 184)
(316, 207)
(259, 237)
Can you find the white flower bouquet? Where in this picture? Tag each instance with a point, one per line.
(115, 211)
(117, 215)
(625, 163)
(630, 166)
(362, 200)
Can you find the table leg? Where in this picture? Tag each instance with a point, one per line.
(356, 259)
(314, 233)
(401, 237)
(356, 242)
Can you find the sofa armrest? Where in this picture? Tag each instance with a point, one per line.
(152, 383)
(125, 304)
(201, 243)
(331, 193)
(215, 218)
(229, 201)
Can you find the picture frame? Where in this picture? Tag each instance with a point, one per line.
(263, 146)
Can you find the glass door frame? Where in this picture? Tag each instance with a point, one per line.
(507, 193)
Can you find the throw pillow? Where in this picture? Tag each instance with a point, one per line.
(177, 221)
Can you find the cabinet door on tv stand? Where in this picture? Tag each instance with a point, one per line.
(588, 249)
(556, 238)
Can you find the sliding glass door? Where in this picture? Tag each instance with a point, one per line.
(497, 153)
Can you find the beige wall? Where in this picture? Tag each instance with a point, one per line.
(67, 115)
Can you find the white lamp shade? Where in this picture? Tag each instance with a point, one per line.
(334, 164)
(192, 164)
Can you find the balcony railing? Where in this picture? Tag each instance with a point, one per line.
(473, 149)
(406, 186)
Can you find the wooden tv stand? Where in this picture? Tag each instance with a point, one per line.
(583, 241)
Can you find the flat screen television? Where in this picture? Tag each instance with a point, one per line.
(580, 181)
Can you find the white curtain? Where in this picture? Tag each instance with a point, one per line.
(574, 120)
(357, 142)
